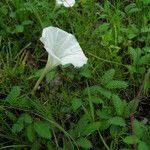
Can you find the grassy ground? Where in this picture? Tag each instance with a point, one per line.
(103, 105)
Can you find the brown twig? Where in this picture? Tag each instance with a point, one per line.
(138, 99)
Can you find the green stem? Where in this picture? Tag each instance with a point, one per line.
(105, 144)
(46, 70)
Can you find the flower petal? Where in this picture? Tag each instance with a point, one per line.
(77, 59)
(68, 3)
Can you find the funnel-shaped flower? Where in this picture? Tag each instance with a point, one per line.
(62, 48)
(66, 3)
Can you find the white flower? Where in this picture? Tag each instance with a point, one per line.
(62, 48)
(66, 3)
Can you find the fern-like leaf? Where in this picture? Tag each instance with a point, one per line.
(108, 76)
(13, 95)
(116, 84)
(118, 104)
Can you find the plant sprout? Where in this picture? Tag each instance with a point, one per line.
(66, 3)
(62, 48)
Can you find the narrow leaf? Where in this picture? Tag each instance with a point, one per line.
(30, 133)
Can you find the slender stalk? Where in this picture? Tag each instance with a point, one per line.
(14, 146)
(105, 60)
(105, 144)
(138, 99)
(46, 70)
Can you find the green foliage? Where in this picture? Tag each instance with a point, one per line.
(84, 143)
(130, 139)
(13, 95)
(92, 127)
(14, 98)
(108, 76)
(42, 129)
(118, 104)
(92, 106)
(76, 103)
(117, 121)
(22, 121)
(116, 85)
(142, 146)
(130, 107)
(31, 133)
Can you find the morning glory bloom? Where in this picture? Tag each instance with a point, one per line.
(65, 3)
(62, 48)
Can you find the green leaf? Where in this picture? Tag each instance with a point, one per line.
(131, 68)
(23, 102)
(42, 129)
(138, 127)
(50, 76)
(84, 143)
(130, 108)
(132, 8)
(92, 127)
(132, 31)
(17, 127)
(135, 54)
(146, 49)
(102, 28)
(76, 103)
(115, 130)
(145, 2)
(108, 76)
(131, 139)
(115, 84)
(82, 123)
(27, 118)
(117, 121)
(19, 28)
(144, 60)
(92, 89)
(97, 90)
(13, 95)
(4, 10)
(143, 146)
(27, 22)
(86, 72)
(105, 93)
(118, 104)
(30, 133)
(96, 100)
(104, 114)
(10, 115)
(145, 29)
(37, 74)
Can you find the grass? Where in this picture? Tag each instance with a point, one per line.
(98, 106)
